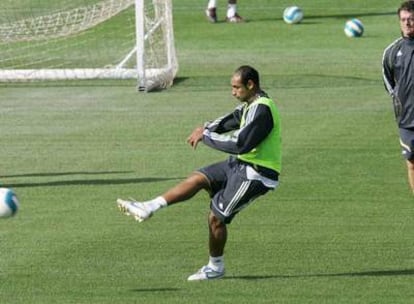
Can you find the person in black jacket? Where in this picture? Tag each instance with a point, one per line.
(398, 76)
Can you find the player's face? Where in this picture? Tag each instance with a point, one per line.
(239, 90)
(407, 23)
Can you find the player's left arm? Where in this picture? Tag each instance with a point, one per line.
(227, 122)
(259, 123)
(220, 125)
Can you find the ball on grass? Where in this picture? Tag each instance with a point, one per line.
(354, 28)
(293, 15)
(9, 204)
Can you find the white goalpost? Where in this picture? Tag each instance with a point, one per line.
(88, 39)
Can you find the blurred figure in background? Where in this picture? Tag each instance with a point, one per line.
(231, 16)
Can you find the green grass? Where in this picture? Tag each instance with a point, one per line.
(339, 229)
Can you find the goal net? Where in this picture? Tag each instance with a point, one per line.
(88, 39)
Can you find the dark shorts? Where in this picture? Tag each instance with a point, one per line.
(407, 143)
(231, 191)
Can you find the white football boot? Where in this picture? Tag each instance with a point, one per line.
(206, 273)
(136, 209)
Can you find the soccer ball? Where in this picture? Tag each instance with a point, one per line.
(293, 15)
(9, 204)
(354, 28)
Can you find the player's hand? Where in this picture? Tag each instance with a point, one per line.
(195, 137)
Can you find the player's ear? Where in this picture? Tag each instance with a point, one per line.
(250, 84)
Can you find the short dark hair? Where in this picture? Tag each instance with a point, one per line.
(247, 73)
(406, 6)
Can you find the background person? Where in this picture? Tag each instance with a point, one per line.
(398, 76)
(231, 15)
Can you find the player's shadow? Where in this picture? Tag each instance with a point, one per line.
(91, 182)
(374, 273)
(38, 174)
(80, 181)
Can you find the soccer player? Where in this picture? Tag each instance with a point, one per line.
(251, 134)
(398, 67)
(232, 16)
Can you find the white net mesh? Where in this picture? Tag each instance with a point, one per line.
(86, 39)
(64, 23)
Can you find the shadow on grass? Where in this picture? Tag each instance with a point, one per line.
(296, 81)
(338, 16)
(90, 182)
(154, 289)
(352, 15)
(375, 273)
(64, 173)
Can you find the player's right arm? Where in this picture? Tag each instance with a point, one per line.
(388, 59)
(390, 75)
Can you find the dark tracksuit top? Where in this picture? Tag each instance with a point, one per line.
(240, 142)
(258, 126)
(398, 76)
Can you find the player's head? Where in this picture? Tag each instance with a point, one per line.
(245, 83)
(406, 16)
(247, 73)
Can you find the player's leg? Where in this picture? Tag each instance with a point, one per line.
(211, 11)
(181, 192)
(186, 189)
(217, 235)
(210, 178)
(410, 169)
(407, 146)
(237, 193)
(217, 241)
(232, 15)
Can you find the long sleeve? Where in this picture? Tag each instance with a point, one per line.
(258, 124)
(387, 70)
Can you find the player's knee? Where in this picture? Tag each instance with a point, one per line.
(214, 222)
(199, 180)
(410, 165)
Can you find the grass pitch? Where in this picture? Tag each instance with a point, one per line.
(338, 230)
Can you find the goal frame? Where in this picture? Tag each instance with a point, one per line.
(148, 79)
